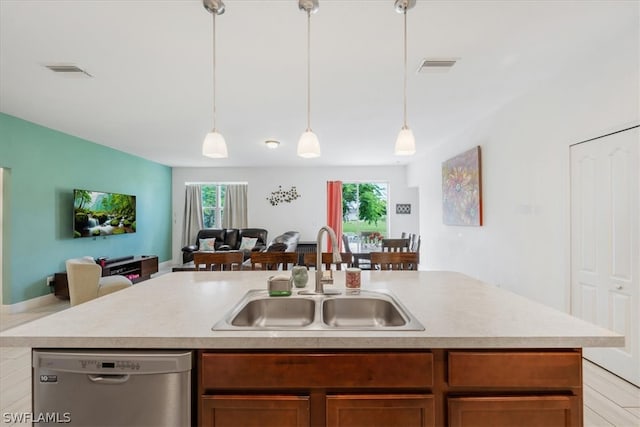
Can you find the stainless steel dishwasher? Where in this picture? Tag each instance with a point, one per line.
(111, 388)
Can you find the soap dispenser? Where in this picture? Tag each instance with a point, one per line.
(280, 286)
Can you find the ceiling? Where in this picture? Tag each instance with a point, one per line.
(151, 90)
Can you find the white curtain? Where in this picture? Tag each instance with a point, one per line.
(234, 212)
(192, 214)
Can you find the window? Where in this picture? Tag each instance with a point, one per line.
(364, 212)
(212, 204)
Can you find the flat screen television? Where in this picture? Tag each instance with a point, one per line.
(98, 213)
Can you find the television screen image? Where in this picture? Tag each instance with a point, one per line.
(103, 214)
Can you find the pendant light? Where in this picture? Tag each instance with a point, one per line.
(405, 143)
(308, 145)
(214, 145)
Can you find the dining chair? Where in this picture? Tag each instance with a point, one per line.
(345, 243)
(218, 261)
(395, 245)
(415, 243)
(414, 240)
(359, 260)
(273, 260)
(309, 260)
(394, 260)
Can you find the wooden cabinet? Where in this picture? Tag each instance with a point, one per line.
(137, 269)
(517, 387)
(338, 388)
(439, 387)
(61, 285)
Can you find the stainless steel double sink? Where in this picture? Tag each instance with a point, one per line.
(369, 310)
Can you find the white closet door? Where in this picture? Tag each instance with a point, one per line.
(605, 188)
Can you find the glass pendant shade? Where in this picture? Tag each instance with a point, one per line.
(214, 145)
(405, 143)
(308, 145)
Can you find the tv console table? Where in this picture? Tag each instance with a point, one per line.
(136, 268)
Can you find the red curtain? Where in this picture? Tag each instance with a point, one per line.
(334, 211)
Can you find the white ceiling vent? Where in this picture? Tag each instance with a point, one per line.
(68, 70)
(437, 65)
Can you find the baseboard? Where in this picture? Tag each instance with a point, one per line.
(29, 304)
(163, 267)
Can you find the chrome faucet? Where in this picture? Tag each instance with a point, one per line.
(336, 259)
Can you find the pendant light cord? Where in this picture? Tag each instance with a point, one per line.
(308, 70)
(405, 70)
(214, 71)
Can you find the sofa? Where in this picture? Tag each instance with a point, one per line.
(286, 242)
(227, 239)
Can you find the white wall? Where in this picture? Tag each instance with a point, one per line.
(524, 244)
(306, 214)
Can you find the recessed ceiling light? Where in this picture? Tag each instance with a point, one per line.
(272, 143)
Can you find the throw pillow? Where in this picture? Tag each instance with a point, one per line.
(208, 245)
(248, 242)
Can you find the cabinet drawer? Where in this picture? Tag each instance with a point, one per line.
(515, 369)
(308, 370)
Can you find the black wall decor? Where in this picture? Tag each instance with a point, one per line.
(282, 196)
(403, 208)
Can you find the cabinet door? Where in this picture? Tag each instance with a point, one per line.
(522, 411)
(375, 410)
(258, 411)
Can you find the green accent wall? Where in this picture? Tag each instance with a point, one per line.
(43, 168)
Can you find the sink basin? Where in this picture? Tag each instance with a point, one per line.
(369, 311)
(276, 312)
(361, 312)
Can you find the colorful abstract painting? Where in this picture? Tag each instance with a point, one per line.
(461, 189)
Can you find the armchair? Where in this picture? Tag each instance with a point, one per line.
(86, 283)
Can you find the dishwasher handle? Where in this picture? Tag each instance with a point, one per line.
(108, 378)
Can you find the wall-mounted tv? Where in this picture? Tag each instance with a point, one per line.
(97, 213)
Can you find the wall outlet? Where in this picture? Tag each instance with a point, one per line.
(49, 280)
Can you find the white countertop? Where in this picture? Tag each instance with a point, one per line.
(177, 310)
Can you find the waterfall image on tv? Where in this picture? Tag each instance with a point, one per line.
(103, 214)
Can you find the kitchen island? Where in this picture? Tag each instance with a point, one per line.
(485, 353)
